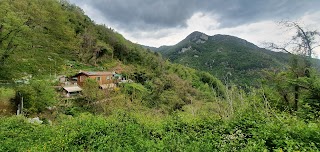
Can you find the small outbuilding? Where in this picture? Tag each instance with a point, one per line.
(71, 90)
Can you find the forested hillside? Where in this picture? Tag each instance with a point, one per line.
(231, 59)
(61, 39)
(35, 35)
(166, 107)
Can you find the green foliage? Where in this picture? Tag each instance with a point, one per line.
(168, 107)
(91, 91)
(6, 94)
(58, 34)
(46, 28)
(248, 131)
(295, 89)
(212, 82)
(37, 96)
(77, 43)
(310, 106)
(281, 131)
(135, 90)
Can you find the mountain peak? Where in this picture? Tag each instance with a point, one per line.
(196, 34)
(197, 37)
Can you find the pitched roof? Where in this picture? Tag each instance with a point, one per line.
(72, 88)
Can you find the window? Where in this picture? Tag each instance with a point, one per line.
(98, 78)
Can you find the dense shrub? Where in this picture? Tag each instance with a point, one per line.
(123, 131)
(37, 96)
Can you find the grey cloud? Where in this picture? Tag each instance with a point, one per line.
(145, 14)
(151, 15)
(236, 12)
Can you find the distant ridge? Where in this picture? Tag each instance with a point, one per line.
(223, 55)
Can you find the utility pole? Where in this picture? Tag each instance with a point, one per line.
(21, 105)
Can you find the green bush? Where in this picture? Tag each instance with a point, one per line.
(122, 131)
(37, 96)
(91, 91)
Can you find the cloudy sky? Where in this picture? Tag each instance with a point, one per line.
(166, 22)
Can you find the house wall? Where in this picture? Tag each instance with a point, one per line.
(103, 79)
(81, 78)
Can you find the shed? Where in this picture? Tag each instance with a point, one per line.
(71, 90)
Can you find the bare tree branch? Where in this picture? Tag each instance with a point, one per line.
(305, 37)
(273, 46)
(315, 46)
(302, 43)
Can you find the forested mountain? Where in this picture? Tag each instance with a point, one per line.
(164, 107)
(224, 56)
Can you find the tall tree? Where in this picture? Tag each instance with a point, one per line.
(301, 47)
